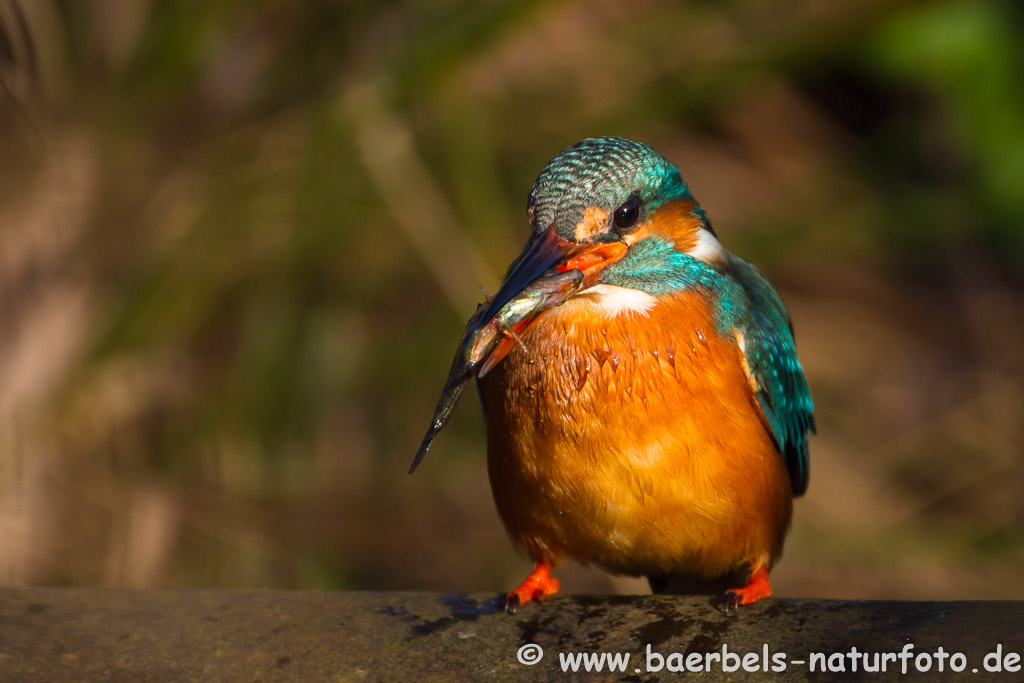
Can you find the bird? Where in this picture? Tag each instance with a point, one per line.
(645, 408)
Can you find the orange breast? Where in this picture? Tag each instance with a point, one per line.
(634, 442)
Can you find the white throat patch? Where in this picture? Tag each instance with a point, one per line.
(612, 300)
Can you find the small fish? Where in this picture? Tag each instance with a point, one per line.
(486, 341)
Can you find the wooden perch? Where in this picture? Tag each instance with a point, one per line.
(218, 635)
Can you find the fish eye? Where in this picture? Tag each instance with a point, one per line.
(627, 215)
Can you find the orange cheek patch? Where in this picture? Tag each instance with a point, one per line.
(675, 220)
(595, 222)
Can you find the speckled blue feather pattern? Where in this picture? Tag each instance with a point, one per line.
(603, 173)
(784, 395)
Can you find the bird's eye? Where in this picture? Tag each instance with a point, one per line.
(627, 215)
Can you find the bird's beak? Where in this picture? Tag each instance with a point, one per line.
(542, 253)
(550, 270)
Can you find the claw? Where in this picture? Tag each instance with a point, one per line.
(756, 589)
(537, 586)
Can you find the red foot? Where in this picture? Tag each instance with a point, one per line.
(757, 587)
(537, 586)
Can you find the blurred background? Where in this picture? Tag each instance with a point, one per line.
(239, 241)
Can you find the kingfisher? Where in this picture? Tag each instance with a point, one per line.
(645, 408)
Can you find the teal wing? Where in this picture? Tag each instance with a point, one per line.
(782, 391)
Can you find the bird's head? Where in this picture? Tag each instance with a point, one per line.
(604, 190)
(617, 211)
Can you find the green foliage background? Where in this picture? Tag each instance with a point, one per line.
(238, 241)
